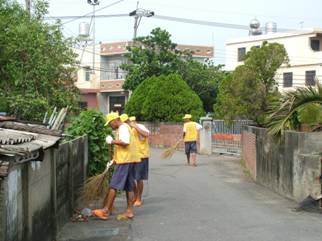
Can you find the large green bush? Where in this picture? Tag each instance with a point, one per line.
(164, 98)
(91, 122)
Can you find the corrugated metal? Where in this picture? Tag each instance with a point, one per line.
(21, 143)
(11, 137)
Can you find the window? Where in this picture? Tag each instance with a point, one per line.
(87, 73)
(315, 44)
(241, 54)
(287, 79)
(83, 105)
(310, 77)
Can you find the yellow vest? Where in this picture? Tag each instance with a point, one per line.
(191, 131)
(126, 154)
(142, 145)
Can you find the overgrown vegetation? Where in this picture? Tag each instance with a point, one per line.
(249, 90)
(164, 98)
(91, 122)
(37, 63)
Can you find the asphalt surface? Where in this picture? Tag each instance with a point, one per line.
(217, 202)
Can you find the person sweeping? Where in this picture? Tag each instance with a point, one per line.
(123, 177)
(190, 136)
(141, 134)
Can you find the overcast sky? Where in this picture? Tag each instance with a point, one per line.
(292, 14)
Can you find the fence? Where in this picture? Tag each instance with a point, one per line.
(226, 137)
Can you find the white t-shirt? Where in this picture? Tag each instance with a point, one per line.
(124, 133)
(198, 126)
(143, 128)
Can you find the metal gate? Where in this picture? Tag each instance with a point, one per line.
(226, 137)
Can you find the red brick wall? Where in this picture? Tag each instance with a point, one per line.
(249, 151)
(164, 134)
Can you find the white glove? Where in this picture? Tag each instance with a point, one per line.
(109, 139)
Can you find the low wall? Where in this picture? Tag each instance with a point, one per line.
(37, 198)
(164, 134)
(290, 166)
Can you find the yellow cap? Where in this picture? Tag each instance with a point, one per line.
(132, 118)
(111, 116)
(124, 117)
(187, 116)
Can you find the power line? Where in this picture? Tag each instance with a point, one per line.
(90, 13)
(73, 17)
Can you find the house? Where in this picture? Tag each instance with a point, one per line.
(303, 47)
(40, 180)
(102, 88)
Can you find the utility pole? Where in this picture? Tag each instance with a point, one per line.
(28, 6)
(94, 3)
(138, 13)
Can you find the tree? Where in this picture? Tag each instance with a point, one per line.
(301, 106)
(37, 63)
(156, 54)
(204, 79)
(166, 98)
(249, 90)
(152, 55)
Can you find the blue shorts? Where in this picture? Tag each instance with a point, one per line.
(123, 177)
(142, 169)
(190, 147)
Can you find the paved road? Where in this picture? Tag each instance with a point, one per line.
(216, 202)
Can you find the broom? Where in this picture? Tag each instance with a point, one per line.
(168, 153)
(96, 186)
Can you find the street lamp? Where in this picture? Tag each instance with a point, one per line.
(138, 14)
(93, 3)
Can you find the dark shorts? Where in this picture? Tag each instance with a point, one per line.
(190, 147)
(142, 169)
(123, 177)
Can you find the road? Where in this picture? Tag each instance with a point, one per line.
(217, 202)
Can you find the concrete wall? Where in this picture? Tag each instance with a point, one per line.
(290, 166)
(37, 198)
(90, 99)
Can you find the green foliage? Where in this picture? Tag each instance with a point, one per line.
(301, 106)
(310, 114)
(156, 55)
(249, 90)
(203, 79)
(164, 98)
(91, 122)
(152, 55)
(28, 107)
(36, 61)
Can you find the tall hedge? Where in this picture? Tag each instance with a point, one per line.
(164, 98)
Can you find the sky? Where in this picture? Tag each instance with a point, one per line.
(290, 14)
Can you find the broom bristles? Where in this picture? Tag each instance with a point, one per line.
(95, 186)
(168, 153)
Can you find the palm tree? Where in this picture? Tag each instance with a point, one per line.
(301, 106)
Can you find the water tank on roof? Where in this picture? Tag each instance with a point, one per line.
(254, 27)
(254, 23)
(270, 27)
(83, 30)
